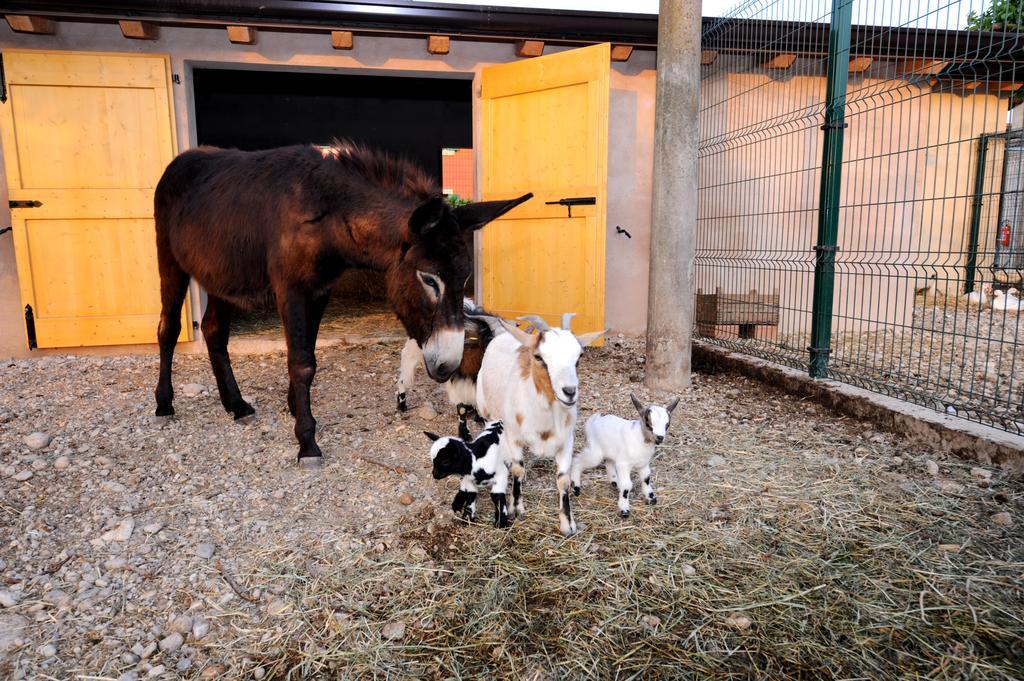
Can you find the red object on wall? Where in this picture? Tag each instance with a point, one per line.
(1005, 232)
(457, 172)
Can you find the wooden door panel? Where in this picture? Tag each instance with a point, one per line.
(545, 130)
(84, 138)
(88, 136)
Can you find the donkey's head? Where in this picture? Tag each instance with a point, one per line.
(427, 284)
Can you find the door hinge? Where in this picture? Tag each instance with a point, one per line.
(176, 79)
(6, 229)
(30, 327)
(24, 204)
(3, 80)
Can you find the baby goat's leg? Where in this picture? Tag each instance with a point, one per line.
(589, 458)
(498, 496)
(513, 457)
(465, 499)
(411, 357)
(645, 477)
(609, 470)
(563, 460)
(625, 485)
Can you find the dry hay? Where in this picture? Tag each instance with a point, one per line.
(810, 552)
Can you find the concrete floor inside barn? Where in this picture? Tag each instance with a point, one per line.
(787, 541)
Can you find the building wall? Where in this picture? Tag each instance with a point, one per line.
(457, 172)
(630, 129)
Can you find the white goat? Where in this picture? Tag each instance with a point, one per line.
(623, 447)
(530, 383)
(461, 387)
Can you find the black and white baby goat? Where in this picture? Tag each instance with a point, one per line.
(478, 462)
(623, 447)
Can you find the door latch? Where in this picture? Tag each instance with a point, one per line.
(573, 201)
(24, 204)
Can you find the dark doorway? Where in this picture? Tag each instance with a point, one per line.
(414, 117)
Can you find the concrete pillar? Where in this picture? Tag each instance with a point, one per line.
(674, 218)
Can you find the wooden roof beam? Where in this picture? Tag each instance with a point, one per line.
(438, 44)
(780, 61)
(529, 48)
(621, 52)
(242, 35)
(342, 40)
(920, 67)
(23, 23)
(139, 30)
(860, 64)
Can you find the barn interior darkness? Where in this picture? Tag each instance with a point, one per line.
(410, 116)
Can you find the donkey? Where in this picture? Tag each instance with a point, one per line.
(283, 224)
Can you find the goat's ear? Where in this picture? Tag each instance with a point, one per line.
(425, 218)
(529, 340)
(672, 405)
(433, 438)
(476, 215)
(637, 404)
(588, 338)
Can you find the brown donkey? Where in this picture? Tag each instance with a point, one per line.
(285, 223)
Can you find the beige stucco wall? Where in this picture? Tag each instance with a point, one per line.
(907, 177)
(632, 102)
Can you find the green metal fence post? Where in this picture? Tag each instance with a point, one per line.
(828, 198)
(979, 190)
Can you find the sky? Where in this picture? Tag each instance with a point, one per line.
(950, 14)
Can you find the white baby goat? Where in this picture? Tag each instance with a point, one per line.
(529, 382)
(623, 447)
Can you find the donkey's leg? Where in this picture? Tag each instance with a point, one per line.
(216, 329)
(173, 285)
(294, 309)
(314, 315)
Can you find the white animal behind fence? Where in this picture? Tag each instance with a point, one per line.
(624, 447)
(529, 382)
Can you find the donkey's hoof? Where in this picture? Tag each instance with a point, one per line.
(402, 405)
(246, 420)
(165, 411)
(311, 463)
(576, 490)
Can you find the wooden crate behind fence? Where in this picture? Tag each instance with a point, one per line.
(743, 315)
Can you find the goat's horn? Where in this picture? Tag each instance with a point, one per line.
(538, 322)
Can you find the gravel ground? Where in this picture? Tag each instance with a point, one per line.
(955, 358)
(132, 548)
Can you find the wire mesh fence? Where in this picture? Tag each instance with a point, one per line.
(861, 200)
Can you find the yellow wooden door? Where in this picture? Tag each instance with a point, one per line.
(87, 135)
(545, 130)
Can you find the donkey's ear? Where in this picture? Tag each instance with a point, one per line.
(529, 340)
(433, 438)
(427, 216)
(476, 215)
(637, 404)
